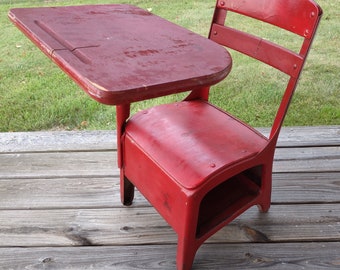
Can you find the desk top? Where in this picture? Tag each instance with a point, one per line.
(120, 53)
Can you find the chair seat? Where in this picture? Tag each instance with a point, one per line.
(193, 140)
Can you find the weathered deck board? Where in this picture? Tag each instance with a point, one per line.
(119, 226)
(44, 141)
(58, 164)
(59, 202)
(103, 140)
(103, 163)
(291, 256)
(60, 193)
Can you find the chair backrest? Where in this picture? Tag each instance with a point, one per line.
(300, 17)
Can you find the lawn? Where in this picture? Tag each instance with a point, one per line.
(36, 95)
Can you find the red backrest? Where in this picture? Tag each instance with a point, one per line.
(300, 17)
(297, 16)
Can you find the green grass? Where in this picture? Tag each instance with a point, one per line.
(36, 95)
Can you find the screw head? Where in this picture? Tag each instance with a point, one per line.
(306, 32)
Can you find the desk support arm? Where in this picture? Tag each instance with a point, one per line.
(199, 93)
(126, 187)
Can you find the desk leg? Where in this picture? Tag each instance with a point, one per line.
(127, 189)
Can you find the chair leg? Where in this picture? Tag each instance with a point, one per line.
(186, 251)
(127, 190)
(264, 205)
(265, 201)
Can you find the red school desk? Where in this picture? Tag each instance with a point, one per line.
(198, 166)
(121, 54)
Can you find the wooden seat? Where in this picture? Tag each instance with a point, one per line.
(199, 166)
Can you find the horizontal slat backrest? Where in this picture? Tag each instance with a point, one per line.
(261, 49)
(298, 16)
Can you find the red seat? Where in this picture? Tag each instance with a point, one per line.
(199, 166)
(195, 154)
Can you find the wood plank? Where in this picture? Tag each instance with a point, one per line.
(104, 163)
(42, 141)
(286, 256)
(60, 193)
(311, 159)
(134, 226)
(310, 153)
(308, 165)
(103, 192)
(58, 164)
(309, 136)
(311, 187)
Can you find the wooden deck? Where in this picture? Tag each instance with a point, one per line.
(60, 209)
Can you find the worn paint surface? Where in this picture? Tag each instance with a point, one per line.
(121, 53)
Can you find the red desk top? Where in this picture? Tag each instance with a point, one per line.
(120, 53)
